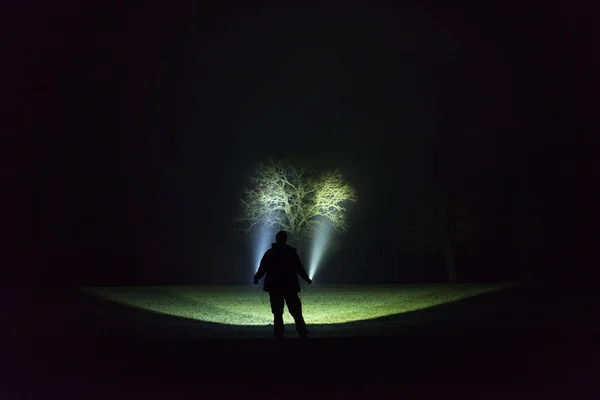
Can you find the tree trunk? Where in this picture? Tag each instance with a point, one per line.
(450, 266)
(528, 266)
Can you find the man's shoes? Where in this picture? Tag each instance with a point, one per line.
(304, 335)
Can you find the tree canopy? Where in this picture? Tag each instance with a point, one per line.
(295, 199)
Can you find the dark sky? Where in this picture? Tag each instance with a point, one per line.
(143, 124)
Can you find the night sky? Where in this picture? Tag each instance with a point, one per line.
(142, 126)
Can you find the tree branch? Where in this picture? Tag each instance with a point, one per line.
(293, 199)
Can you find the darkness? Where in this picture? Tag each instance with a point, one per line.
(133, 130)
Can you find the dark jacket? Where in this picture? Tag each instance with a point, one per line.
(281, 265)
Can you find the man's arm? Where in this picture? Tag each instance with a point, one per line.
(301, 271)
(262, 269)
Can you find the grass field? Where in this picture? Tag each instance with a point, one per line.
(325, 304)
(222, 335)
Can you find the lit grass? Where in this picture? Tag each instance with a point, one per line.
(245, 305)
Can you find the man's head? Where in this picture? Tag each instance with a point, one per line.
(281, 237)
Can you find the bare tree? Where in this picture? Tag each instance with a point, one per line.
(527, 229)
(295, 199)
(442, 227)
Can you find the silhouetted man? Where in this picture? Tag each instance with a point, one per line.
(281, 264)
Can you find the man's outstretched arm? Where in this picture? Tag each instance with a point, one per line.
(301, 271)
(262, 269)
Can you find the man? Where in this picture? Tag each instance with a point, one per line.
(281, 264)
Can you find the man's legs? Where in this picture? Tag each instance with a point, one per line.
(295, 307)
(277, 301)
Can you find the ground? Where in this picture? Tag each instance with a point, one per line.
(326, 305)
(514, 341)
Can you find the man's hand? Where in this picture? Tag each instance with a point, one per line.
(309, 281)
(255, 281)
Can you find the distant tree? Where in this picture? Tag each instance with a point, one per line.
(443, 226)
(527, 239)
(295, 199)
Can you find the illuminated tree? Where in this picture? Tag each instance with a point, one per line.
(295, 199)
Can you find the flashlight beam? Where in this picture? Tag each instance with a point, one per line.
(319, 248)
